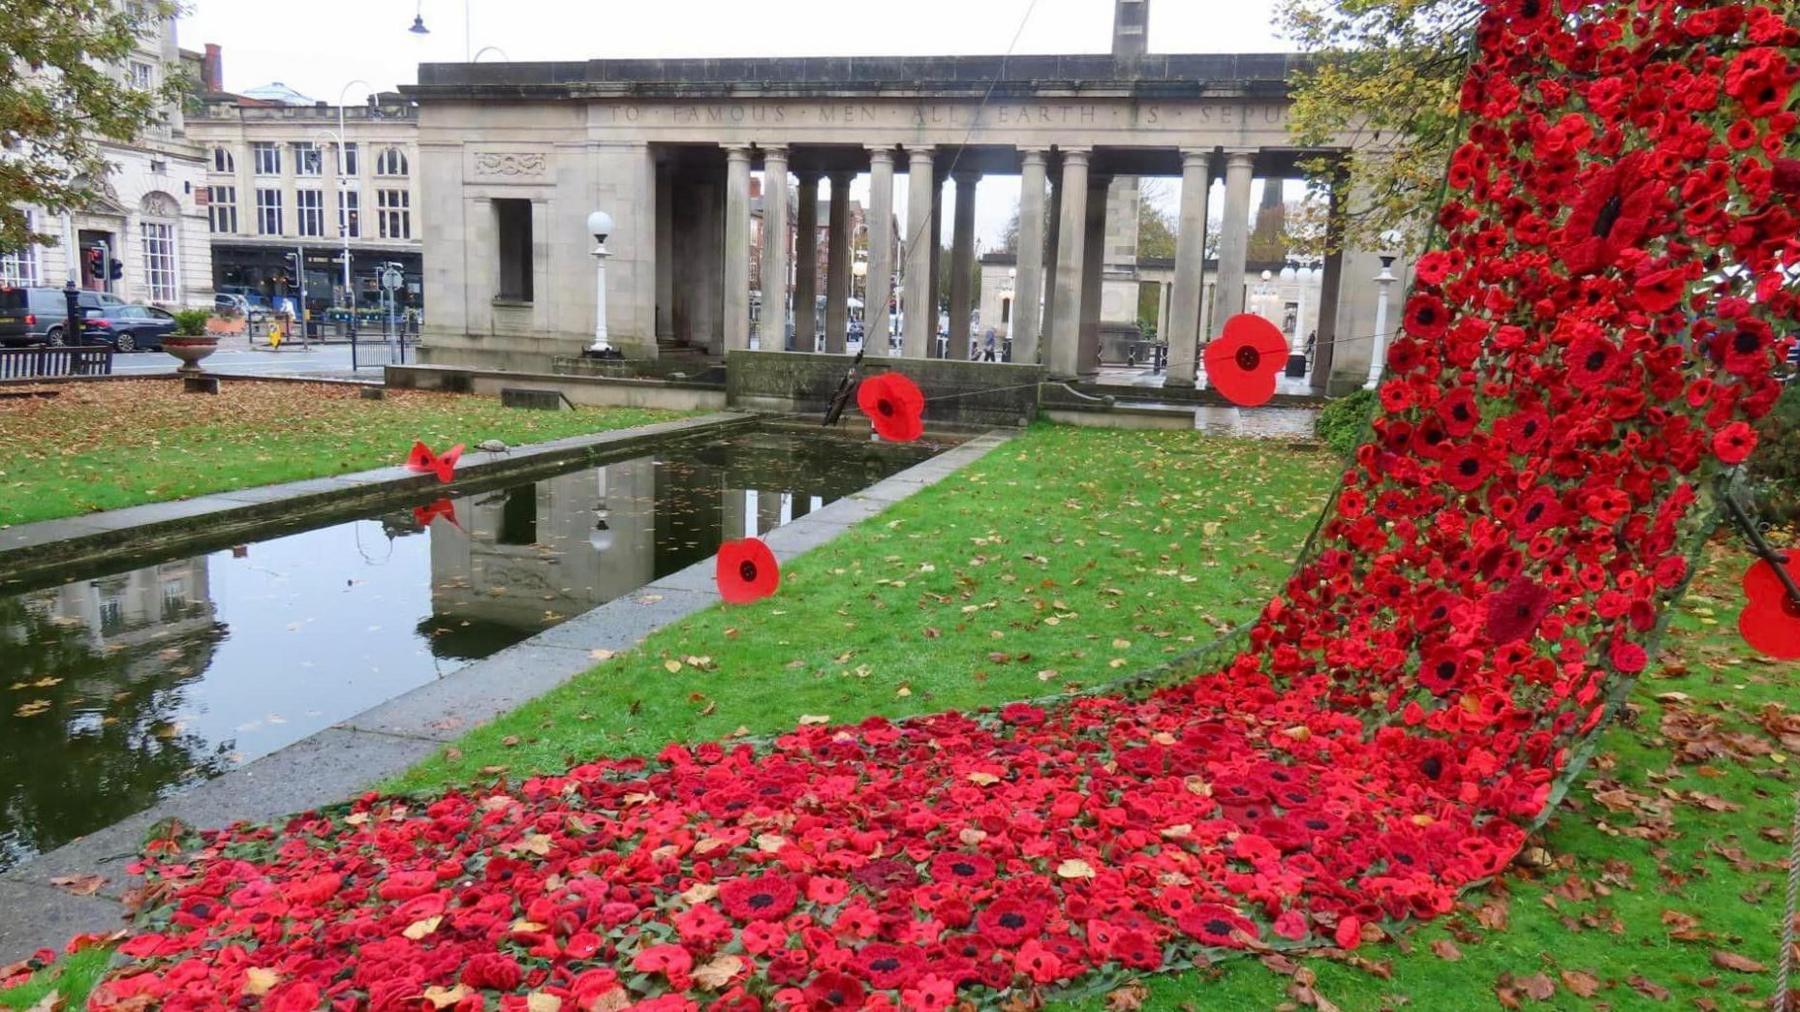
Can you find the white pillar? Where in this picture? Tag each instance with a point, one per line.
(737, 248)
(880, 220)
(1071, 248)
(1028, 287)
(1234, 235)
(1384, 283)
(773, 334)
(837, 266)
(921, 317)
(962, 263)
(1190, 269)
(806, 265)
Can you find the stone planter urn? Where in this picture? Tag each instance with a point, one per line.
(190, 348)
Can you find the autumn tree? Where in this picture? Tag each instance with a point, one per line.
(1156, 228)
(63, 91)
(1385, 77)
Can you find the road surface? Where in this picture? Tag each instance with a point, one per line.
(290, 361)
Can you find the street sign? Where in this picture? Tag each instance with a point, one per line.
(391, 279)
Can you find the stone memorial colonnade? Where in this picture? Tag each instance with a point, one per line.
(668, 148)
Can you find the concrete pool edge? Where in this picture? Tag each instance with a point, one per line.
(387, 739)
(36, 550)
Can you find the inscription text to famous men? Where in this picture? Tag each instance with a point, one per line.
(999, 115)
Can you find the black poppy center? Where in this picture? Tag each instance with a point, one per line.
(885, 406)
(1247, 358)
(1522, 611)
(1010, 920)
(1531, 428)
(1608, 216)
(761, 901)
(836, 997)
(747, 571)
(1446, 670)
(1530, 8)
(885, 964)
(1216, 926)
(1404, 858)
(1744, 342)
(1427, 314)
(1316, 824)
(971, 950)
(1469, 467)
(963, 868)
(1432, 766)
(1536, 510)
(1460, 412)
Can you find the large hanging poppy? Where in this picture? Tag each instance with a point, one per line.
(894, 405)
(423, 461)
(1771, 621)
(1243, 362)
(747, 571)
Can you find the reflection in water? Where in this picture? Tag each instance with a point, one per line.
(119, 690)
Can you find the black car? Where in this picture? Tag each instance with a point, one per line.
(128, 327)
(38, 315)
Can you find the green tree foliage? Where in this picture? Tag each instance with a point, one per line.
(1386, 78)
(64, 90)
(1156, 228)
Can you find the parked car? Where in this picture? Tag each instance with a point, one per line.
(45, 314)
(15, 308)
(230, 303)
(128, 327)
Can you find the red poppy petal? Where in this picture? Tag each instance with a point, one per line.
(1771, 621)
(746, 571)
(894, 405)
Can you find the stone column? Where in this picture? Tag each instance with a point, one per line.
(1183, 334)
(937, 256)
(880, 220)
(1052, 242)
(837, 269)
(773, 336)
(665, 251)
(1162, 311)
(1028, 287)
(1093, 278)
(737, 248)
(1234, 235)
(962, 263)
(1071, 250)
(806, 265)
(920, 318)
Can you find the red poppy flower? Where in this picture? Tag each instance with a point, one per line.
(746, 571)
(423, 461)
(1770, 623)
(963, 869)
(763, 898)
(1661, 290)
(894, 405)
(1426, 318)
(1592, 361)
(1516, 611)
(890, 966)
(1009, 921)
(1243, 362)
(1611, 214)
(1733, 443)
(833, 990)
(1213, 924)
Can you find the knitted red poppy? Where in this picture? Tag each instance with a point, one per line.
(747, 571)
(1243, 362)
(894, 405)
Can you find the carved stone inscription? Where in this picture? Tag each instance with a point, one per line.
(510, 164)
(1001, 116)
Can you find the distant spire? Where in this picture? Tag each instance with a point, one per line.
(1131, 28)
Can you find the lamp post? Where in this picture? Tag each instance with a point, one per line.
(418, 27)
(1384, 282)
(600, 225)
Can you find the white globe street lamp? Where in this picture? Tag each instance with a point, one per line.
(1384, 283)
(600, 225)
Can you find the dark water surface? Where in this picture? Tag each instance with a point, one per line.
(119, 689)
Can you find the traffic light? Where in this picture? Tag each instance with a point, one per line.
(117, 271)
(96, 262)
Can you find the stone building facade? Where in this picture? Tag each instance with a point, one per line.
(149, 216)
(278, 185)
(514, 157)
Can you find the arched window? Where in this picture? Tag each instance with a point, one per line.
(391, 162)
(222, 160)
(161, 215)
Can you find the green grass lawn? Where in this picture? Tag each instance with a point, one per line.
(101, 446)
(1070, 558)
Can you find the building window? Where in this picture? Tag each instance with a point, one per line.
(222, 206)
(349, 214)
(222, 160)
(394, 209)
(267, 157)
(143, 75)
(159, 261)
(19, 268)
(268, 212)
(308, 159)
(309, 210)
(391, 162)
(512, 219)
(347, 160)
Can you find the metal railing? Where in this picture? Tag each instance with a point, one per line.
(35, 363)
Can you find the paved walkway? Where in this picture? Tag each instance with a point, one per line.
(343, 760)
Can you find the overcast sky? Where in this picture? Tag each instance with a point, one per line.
(319, 47)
